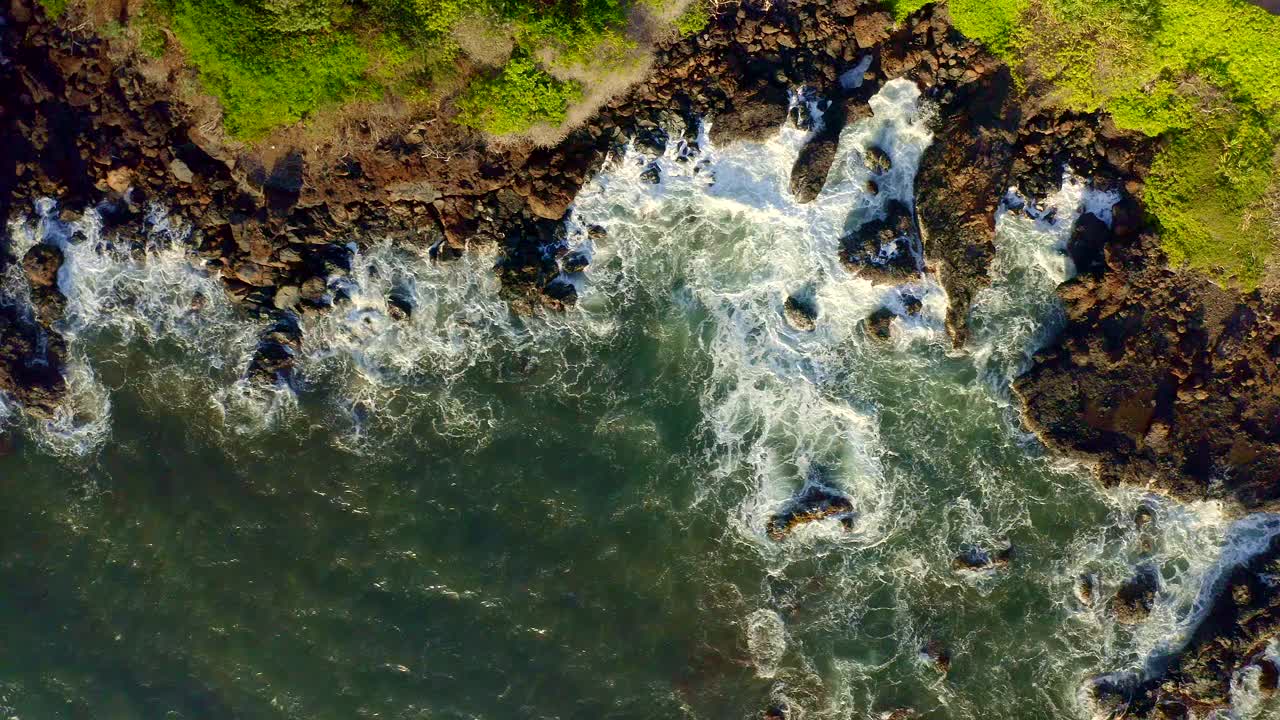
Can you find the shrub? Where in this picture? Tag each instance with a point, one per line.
(694, 19)
(520, 96)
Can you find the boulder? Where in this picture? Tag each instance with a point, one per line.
(1132, 603)
(399, 305)
(973, 558)
(809, 174)
(885, 251)
(801, 313)
(879, 324)
(575, 262)
(815, 502)
(754, 115)
(276, 356)
(877, 160)
(41, 265)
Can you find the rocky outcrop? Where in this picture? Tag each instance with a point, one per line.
(961, 178)
(801, 312)
(884, 250)
(1241, 619)
(31, 361)
(1163, 377)
(815, 502)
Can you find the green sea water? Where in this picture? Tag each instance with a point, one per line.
(471, 514)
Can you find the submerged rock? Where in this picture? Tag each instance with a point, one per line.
(1086, 589)
(815, 502)
(976, 559)
(885, 251)
(937, 655)
(801, 313)
(1137, 596)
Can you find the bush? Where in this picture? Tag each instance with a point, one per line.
(694, 19)
(517, 98)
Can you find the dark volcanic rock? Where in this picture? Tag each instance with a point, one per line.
(1135, 598)
(976, 559)
(801, 313)
(809, 174)
(1242, 618)
(815, 502)
(879, 324)
(877, 160)
(1167, 379)
(1088, 239)
(278, 349)
(31, 362)
(754, 115)
(884, 251)
(961, 178)
(41, 265)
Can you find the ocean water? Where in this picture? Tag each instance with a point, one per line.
(471, 514)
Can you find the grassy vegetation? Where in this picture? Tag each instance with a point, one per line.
(520, 94)
(272, 63)
(54, 8)
(1201, 73)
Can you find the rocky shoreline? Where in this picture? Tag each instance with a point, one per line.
(1162, 378)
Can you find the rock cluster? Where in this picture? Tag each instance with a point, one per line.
(1164, 377)
(1242, 617)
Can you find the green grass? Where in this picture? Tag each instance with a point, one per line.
(272, 63)
(1207, 190)
(694, 19)
(1202, 73)
(266, 78)
(54, 8)
(519, 96)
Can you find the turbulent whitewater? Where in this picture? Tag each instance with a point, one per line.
(472, 514)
